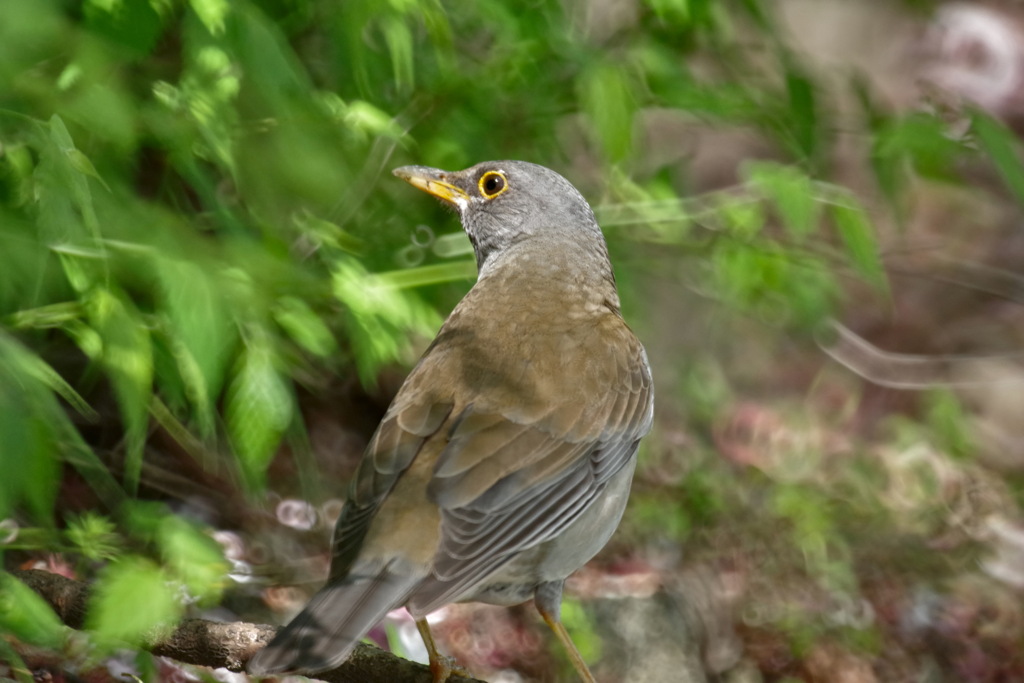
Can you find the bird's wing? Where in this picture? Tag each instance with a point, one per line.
(510, 479)
(411, 419)
(359, 593)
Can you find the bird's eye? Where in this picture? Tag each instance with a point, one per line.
(492, 184)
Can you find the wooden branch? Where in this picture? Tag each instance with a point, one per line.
(229, 645)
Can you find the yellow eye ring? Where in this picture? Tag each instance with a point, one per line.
(492, 184)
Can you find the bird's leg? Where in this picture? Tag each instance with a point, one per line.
(441, 667)
(548, 599)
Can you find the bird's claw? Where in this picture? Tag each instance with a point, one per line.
(442, 667)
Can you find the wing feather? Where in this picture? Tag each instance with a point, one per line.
(505, 485)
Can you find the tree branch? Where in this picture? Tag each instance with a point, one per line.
(228, 645)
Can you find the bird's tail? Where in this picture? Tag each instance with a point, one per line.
(336, 618)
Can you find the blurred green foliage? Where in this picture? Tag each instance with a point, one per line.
(197, 225)
(26, 616)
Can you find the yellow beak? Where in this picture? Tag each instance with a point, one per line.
(429, 180)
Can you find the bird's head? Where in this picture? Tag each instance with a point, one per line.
(502, 203)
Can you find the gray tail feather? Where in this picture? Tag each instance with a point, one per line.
(336, 618)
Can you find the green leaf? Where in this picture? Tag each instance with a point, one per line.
(200, 327)
(802, 116)
(609, 104)
(437, 273)
(132, 603)
(135, 26)
(304, 326)
(260, 406)
(792, 193)
(1003, 147)
(29, 436)
(331, 234)
(86, 339)
(782, 287)
(400, 45)
(363, 117)
(26, 616)
(81, 163)
(42, 317)
(19, 669)
(858, 236)
(381, 314)
(921, 140)
(94, 537)
(76, 169)
(742, 219)
(950, 423)
(78, 271)
(59, 134)
(677, 13)
(37, 369)
(195, 558)
(212, 13)
(128, 360)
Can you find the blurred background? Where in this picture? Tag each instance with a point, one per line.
(211, 286)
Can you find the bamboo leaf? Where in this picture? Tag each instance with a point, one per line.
(609, 104)
(213, 14)
(791, 192)
(128, 360)
(1004, 149)
(858, 236)
(26, 616)
(304, 326)
(260, 406)
(195, 558)
(133, 603)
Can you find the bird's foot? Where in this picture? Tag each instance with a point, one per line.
(443, 667)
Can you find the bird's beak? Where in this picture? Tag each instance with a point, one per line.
(429, 180)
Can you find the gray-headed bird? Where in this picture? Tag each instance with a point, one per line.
(504, 462)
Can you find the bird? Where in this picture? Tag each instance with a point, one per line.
(505, 460)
